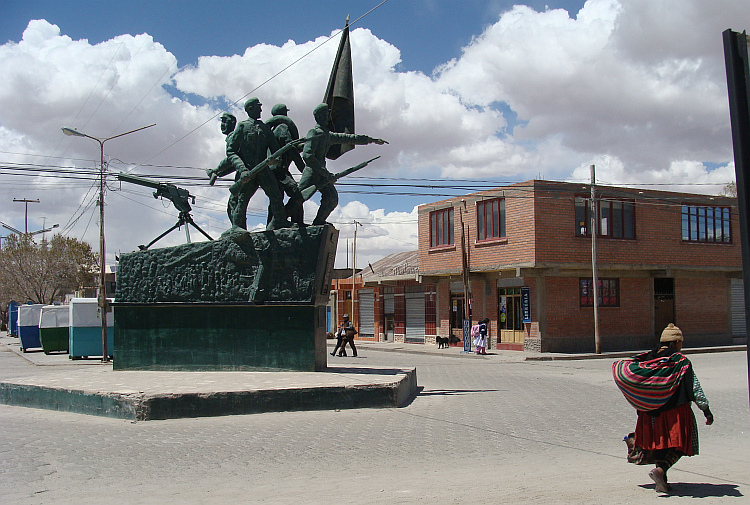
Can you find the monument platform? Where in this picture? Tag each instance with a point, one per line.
(90, 387)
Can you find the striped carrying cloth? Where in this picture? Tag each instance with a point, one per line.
(649, 383)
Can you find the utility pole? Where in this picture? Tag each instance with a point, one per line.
(103, 303)
(465, 271)
(594, 276)
(26, 218)
(354, 269)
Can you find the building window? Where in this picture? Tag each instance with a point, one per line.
(609, 292)
(441, 227)
(490, 219)
(706, 224)
(616, 218)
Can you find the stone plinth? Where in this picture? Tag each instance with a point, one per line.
(248, 301)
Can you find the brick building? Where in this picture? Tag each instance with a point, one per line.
(525, 252)
(388, 302)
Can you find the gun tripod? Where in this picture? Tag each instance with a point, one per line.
(184, 219)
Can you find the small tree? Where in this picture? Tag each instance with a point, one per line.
(730, 190)
(44, 272)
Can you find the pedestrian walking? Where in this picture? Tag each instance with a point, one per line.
(340, 335)
(480, 340)
(661, 385)
(347, 331)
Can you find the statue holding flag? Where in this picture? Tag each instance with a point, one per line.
(318, 141)
(333, 134)
(248, 152)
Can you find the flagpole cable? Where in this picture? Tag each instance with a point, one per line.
(252, 90)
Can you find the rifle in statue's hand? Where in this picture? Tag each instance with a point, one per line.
(270, 161)
(308, 192)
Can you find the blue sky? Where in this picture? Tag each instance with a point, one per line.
(428, 32)
(470, 94)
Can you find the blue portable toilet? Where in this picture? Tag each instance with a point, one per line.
(85, 336)
(13, 319)
(28, 326)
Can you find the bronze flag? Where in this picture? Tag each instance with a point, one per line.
(340, 95)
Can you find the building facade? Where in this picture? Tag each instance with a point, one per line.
(387, 302)
(522, 255)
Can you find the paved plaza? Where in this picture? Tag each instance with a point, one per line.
(491, 429)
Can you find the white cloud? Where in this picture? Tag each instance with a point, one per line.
(380, 233)
(637, 88)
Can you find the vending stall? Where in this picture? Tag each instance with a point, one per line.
(13, 319)
(54, 323)
(28, 326)
(86, 329)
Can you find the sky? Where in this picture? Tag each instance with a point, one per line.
(470, 94)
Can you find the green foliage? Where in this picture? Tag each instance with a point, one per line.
(44, 272)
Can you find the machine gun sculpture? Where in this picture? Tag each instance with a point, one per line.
(179, 197)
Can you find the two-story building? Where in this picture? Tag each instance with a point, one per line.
(523, 254)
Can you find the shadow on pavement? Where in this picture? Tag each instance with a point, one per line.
(451, 392)
(701, 490)
(365, 371)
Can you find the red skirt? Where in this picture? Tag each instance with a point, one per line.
(672, 429)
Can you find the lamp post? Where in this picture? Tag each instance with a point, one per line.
(102, 260)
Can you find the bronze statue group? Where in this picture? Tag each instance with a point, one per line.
(261, 153)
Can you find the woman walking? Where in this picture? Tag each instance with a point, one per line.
(661, 385)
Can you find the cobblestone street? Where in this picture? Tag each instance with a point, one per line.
(482, 430)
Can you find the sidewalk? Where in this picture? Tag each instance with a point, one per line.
(513, 356)
(89, 386)
(92, 387)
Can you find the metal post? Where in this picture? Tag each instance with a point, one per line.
(595, 276)
(465, 268)
(738, 84)
(354, 273)
(102, 299)
(102, 258)
(26, 214)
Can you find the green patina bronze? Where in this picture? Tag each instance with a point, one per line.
(248, 301)
(240, 267)
(215, 337)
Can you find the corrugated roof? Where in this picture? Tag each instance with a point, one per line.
(400, 264)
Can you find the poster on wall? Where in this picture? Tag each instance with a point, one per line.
(467, 335)
(526, 304)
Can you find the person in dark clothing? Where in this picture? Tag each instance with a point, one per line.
(340, 337)
(347, 332)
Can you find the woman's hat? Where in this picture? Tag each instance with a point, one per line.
(671, 334)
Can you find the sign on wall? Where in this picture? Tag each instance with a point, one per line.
(526, 304)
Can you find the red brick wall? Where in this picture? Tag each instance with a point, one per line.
(658, 231)
(702, 306)
(540, 228)
(566, 318)
(443, 308)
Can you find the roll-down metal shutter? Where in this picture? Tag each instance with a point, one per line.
(414, 317)
(366, 313)
(739, 326)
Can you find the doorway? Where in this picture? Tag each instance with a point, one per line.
(510, 319)
(663, 303)
(457, 316)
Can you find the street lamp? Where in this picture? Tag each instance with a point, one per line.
(102, 260)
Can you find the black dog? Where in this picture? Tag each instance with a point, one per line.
(454, 339)
(442, 342)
